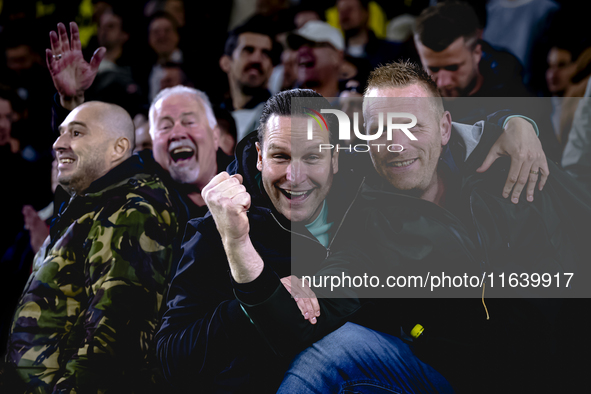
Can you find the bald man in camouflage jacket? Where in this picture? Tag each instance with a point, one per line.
(87, 316)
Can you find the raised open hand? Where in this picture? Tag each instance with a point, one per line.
(71, 74)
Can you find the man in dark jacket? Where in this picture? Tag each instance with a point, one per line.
(447, 38)
(425, 214)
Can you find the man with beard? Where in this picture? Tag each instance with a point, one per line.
(104, 266)
(247, 61)
(447, 38)
(185, 139)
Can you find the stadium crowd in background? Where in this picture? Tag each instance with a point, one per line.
(195, 78)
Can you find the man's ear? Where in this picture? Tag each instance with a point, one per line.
(335, 160)
(445, 128)
(225, 63)
(477, 53)
(120, 149)
(259, 156)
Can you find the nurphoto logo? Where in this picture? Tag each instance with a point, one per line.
(345, 129)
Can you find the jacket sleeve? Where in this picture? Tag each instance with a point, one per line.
(127, 261)
(278, 318)
(204, 328)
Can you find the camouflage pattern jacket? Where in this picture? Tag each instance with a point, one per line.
(86, 319)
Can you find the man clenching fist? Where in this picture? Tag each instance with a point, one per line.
(228, 201)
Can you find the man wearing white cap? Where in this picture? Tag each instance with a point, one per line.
(320, 57)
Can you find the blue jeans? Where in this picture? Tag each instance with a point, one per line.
(355, 359)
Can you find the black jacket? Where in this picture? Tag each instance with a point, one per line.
(206, 340)
(524, 344)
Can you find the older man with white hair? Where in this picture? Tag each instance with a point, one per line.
(185, 139)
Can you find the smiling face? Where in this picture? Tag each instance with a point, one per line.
(184, 144)
(455, 69)
(414, 170)
(82, 149)
(296, 176)
(163, 37)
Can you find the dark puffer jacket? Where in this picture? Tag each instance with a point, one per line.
(206, 340)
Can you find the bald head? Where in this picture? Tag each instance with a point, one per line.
(113, 119)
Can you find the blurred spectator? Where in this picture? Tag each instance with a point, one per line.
(32, 189)
(7, 117)
(561, 68)
(25, 74)
(447, 38)
(575, 89)
(163, 39)
(576, 159)
(114, 82)
(228, 131)
(320, 57)
(522, 28)
(285, 75)
(143, 140)
(360, 40)
(561, 59)
(448, 41)
(377, 19)
(247, 61)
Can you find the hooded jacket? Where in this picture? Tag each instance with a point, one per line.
(87, 317)
(207, 341)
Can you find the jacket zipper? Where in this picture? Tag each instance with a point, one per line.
(328, 251)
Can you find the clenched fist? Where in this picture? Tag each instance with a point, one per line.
(228, 201)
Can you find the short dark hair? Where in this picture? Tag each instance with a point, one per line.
(258, 24)
(280, 105)
(440, 25)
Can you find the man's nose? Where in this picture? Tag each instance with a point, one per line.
(295, 172)
(256, 56)
(443, 79)
(178, 132)
(398, 137)
(62, 142)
